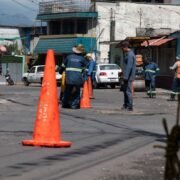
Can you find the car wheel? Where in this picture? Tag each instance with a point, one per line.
(26, 83)
(95, 85)
(113, 86)
(41, 81)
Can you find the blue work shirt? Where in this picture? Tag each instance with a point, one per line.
(151, 70)
(90, 69)
(74, 65)
(129, 68)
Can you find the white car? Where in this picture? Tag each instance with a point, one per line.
(35, 75)
(107, 74)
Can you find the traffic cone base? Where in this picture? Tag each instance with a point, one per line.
(85, 106)
(46, 144)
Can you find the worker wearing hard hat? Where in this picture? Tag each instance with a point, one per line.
(176, 80)
(73, 66)
(90, 68)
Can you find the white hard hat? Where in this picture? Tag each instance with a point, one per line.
(88, 55)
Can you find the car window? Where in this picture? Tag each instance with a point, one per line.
(40, 69)
(32, 70)
(109, 67)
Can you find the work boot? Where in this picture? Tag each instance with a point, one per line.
(129, 109)
(123, 108)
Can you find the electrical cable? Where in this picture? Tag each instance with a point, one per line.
(21, 4)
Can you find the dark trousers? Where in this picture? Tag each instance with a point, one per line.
(71, 96)
(175, 87)
(150, 86)
(127, 90)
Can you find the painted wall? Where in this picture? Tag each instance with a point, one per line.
(33, 44)
(10, 33)
(175, 1)
(129, 16)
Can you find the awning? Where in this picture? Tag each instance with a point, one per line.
(64, 45)
(57, 16)
(156, 42)
(134, 41)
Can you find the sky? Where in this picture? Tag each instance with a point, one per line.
(18, 12)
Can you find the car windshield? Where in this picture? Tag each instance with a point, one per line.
(109, 67)
(40, 69)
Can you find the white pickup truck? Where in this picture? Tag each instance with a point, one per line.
(35, 75)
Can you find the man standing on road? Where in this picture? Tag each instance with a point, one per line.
(176, 80)
(91, 65)
(151, 70)
(90, 69)
(129, 70)
(74, 65)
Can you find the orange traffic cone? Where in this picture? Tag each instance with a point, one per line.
(47, 126)
(85, 101)
(91, 96)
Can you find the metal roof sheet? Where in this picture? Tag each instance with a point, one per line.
(64, 45)
(156, 42)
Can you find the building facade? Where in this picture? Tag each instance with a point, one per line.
(101, 25)
(69, 23)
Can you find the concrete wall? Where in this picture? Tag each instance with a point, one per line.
(175, 1)
(129, 16)
(10, 33)
(33, 44)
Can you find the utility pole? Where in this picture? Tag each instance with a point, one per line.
(112, 26)
(140, 17)
(112, 32)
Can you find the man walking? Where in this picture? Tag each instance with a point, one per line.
(129, 70)
(151, 70)
(74, 65)
(176, 80)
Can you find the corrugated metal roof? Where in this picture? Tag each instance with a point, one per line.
(64, 45)
(156, 42)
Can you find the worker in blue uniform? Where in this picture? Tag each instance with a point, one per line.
(90, 74)
(74, 65)
(90, 67)
(151, 70)
(129, 71)
(176, 80)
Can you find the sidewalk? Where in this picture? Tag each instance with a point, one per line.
(163, 91)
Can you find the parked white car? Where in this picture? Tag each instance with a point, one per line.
(107, 74)
(35, 75)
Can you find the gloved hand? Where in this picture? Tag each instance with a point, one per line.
(125, 81)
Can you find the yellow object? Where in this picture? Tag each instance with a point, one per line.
(63, 82)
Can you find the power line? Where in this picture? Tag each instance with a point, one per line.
(15, 1)
(34, 2)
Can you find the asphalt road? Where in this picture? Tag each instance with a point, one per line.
(108, 144)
